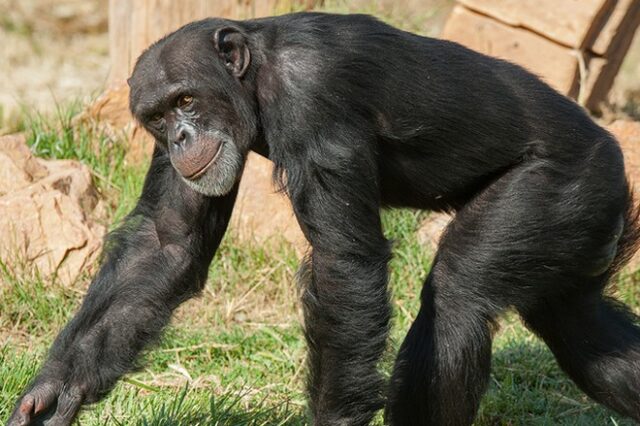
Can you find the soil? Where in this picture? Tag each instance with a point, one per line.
(52, 52)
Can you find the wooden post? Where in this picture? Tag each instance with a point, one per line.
(135, 24)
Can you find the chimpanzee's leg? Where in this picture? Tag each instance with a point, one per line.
(344, 280)
(443, 366)
(535, 233)
(596, 341)
(346, 316)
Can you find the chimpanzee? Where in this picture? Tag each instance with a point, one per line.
(357, 115)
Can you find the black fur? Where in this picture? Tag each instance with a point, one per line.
(356, 116)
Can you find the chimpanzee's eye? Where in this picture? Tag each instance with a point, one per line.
(157, 122)
(184, 101)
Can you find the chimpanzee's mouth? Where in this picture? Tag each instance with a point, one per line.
(206, 167)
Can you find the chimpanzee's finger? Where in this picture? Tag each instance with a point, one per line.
(33, 404)
(24, 410)
(69, 403)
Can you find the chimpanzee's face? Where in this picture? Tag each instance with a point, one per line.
(187, 92)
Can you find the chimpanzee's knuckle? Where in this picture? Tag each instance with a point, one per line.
(19, 417)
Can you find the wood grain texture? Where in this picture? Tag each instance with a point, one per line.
(119, 38)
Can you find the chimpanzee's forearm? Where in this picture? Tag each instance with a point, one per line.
(128, 304)
(157, 259)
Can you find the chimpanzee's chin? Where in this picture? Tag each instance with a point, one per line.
(221, 177)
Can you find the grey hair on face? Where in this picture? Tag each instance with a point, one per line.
(221, 176)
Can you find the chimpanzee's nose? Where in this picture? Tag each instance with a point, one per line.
(181, 138)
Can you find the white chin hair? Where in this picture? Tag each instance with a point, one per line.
(222, 175)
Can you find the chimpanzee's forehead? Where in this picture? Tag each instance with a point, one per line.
(148, 84)
(168, 68)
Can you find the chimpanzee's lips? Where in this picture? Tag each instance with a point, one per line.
(202, 171)
(198, 159)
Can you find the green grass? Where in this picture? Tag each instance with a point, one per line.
(235, 355)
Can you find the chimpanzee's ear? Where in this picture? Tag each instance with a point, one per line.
(232, 47)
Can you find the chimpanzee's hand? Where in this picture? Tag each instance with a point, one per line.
(48, 402)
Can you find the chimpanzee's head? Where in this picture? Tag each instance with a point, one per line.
(188, 91)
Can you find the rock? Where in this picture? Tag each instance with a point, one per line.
(261, 213)
(110, 112)
(19, 167)
(613, 43)
(45, 213)
(431, 230)
(573, 23)
(627, 133)
(576, 46)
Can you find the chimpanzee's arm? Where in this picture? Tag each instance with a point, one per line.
(336, 199)
(156, 260)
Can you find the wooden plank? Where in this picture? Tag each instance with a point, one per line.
(622, 22)
(595, 67)
(604, 74)
(555, 64)
(573, 23)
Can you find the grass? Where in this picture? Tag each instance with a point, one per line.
(235, 355)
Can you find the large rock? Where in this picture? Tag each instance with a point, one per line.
(627, 133)
(18, 167)
(573, 23)
(621, 24)
(45, 209)
(110, 112)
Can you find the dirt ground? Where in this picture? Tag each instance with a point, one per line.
(51, 52)
(56, 51)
